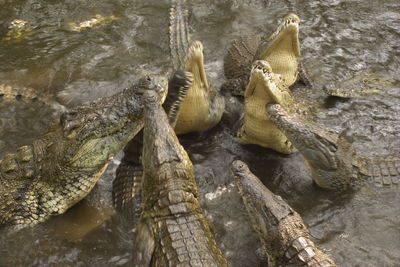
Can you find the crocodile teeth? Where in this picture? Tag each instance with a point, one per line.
(290, 22)
(265, 71)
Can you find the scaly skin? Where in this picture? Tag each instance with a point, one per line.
(60, 168)
(17, 30)
(128, 181)
(11, 94)
(333, 161)
(203, 106)
(264, 87)
(172, 230)
(281, 49)
(282, 231)
(363, 84)
(191, 105)
(15, 93)
(96, 21)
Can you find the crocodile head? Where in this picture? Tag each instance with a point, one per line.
(195, 112)
(11, 93)
(93, 133)
(61, 168)
(282, 49)
(281, 229)
(362, 84)
(264, 87)
(262, 76)
(167, 167)
(17, 30)
(257, 198)
(266, 211)
(195, 64)
(330, 157)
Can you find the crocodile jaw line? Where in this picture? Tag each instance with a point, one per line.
(196, 65)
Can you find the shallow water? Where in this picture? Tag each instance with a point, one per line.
(339, 38)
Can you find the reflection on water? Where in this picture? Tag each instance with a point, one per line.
(339, 38)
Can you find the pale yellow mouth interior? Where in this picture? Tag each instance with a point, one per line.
(195, 64)
(284, 53)
(195, 107)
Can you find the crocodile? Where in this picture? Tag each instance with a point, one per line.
(61, 167)
(362, 84)
(284, 235)
(126, 192)
(203, 106)
(96, 21)
(264, 87)
(191, 104)
(16, 30)
(11, 93)
(281, 49)
(172, 229)
(331, 158)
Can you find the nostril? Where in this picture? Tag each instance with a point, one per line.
(67, 116)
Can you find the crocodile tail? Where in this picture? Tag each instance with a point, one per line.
(240, 56)
(179, 38)
(127, 185)
(384, 171)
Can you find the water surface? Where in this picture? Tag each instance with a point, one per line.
(339, 39)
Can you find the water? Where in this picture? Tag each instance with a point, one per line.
(339, 38)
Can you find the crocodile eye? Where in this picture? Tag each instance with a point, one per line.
(67, 116)
(69, 122)
(239, 165)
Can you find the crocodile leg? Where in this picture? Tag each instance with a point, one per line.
(282, 231)
(304, 77)
(127, 185)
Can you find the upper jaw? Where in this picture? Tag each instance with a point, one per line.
(239, 167)
(262, 70)
(291, 21)
(195, 64)
(289, 26)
